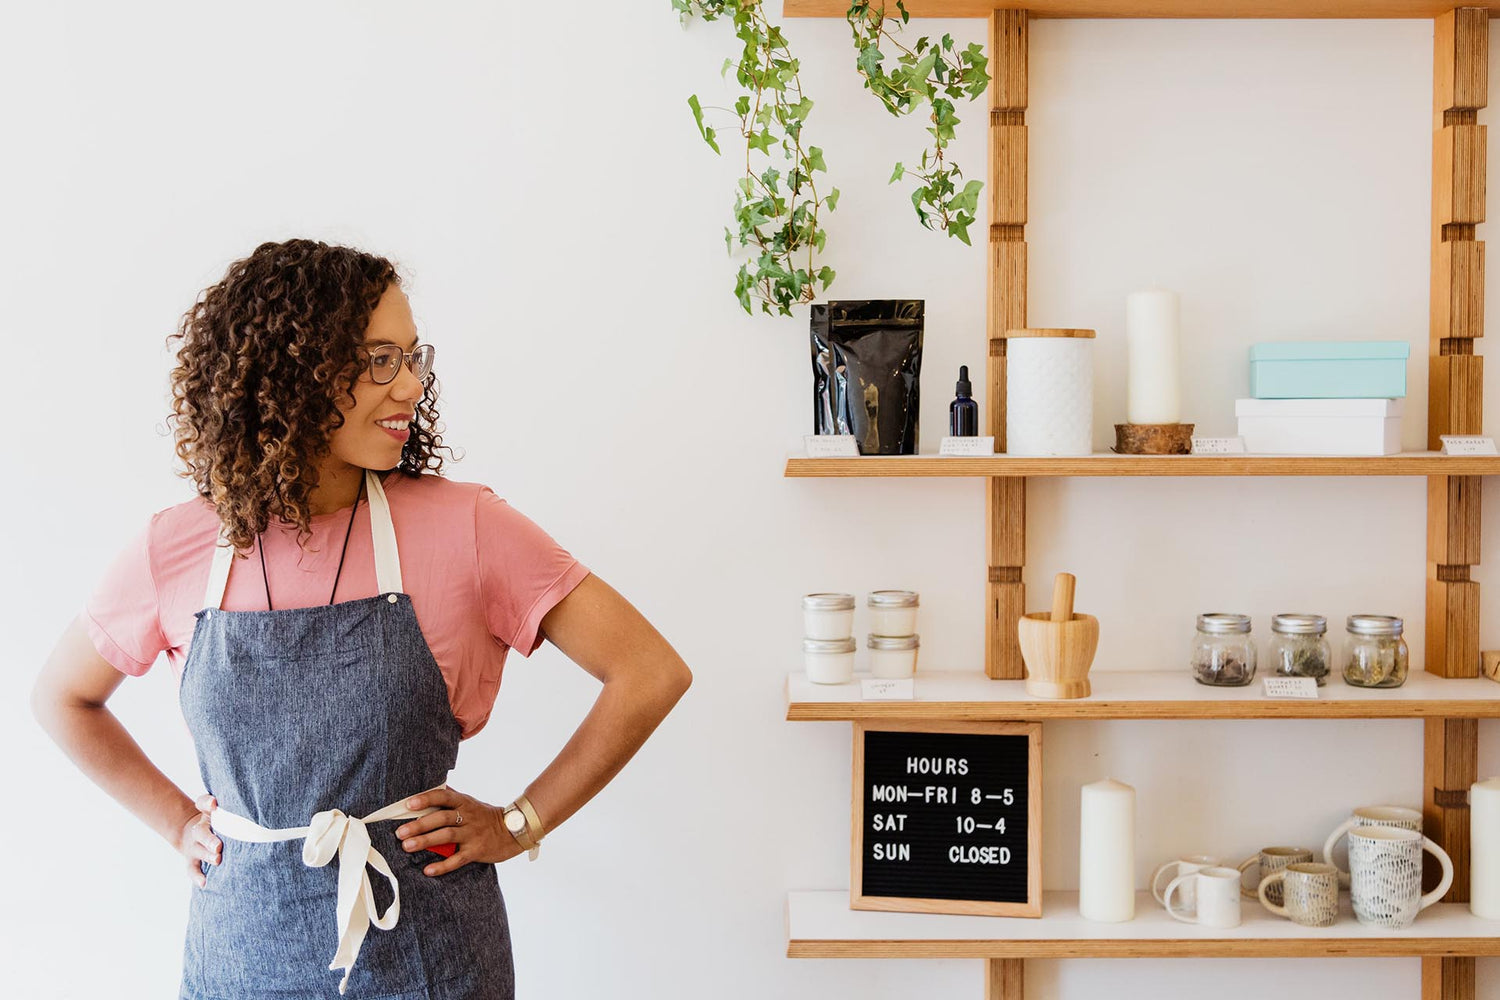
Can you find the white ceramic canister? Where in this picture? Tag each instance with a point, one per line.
(828, 616)
(892, 612)
(892, 656)
(829, 661)
(1049, 386)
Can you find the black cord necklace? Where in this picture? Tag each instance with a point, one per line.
(260, 544)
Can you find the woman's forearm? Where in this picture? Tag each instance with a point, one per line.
(94, 739)
(624, 715)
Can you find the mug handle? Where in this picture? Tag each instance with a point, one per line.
(1156, 878)
(1447, 880)
(1167, 898)
(1244, 866)
(1265, 884)
(1328, 845)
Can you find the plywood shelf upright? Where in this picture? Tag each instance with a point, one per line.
(1455, 394)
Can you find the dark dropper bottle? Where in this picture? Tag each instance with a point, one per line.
(963, 413)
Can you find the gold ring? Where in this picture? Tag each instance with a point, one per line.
(458, 818)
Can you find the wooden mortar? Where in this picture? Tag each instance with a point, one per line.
(1058, 648)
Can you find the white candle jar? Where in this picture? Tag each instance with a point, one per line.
(1049, 379)
(893, 612)
(828, 661)
(892, 657)
(828, 616)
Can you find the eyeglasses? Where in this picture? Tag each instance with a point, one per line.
(385, 362)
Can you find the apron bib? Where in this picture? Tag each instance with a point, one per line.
(312, 726)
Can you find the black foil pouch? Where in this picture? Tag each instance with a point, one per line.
(866, 359)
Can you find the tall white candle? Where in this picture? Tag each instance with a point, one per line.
(1484, 849)
(1151, 338)
(1106, 852)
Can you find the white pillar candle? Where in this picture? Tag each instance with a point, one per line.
(1151, 339)
(1484, 849)
(1106, 852)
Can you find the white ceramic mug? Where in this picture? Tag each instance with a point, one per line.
(1271, 859)
(1185, 865)
(1400, 817)
(1311, 892)
(1218, 894)
(1385, 865)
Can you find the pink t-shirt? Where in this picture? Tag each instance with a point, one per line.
(480, 575)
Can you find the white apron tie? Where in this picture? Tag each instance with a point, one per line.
(331, 833)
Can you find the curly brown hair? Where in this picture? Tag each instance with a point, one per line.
(267, 354)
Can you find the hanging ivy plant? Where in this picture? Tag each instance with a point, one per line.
(776, 210)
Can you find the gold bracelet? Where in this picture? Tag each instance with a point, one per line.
(533, 821)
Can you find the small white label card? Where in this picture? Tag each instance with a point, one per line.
(872, 689)
(1468, 444)
(830, 446)
(967, 446)
(1218, 446)
(1290, 687)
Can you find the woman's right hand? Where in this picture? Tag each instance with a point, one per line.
(196, 840)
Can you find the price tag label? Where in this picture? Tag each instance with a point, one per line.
(1468, 444)
(830, 446)
(888, 690)
(967, 446)
(1218, 446)
(1290, 687)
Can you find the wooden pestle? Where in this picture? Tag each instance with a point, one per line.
(1062, 597)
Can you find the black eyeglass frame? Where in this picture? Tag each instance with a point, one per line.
(410, 359)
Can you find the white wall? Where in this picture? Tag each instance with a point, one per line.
(536, 171)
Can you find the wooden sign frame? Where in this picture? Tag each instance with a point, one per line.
(1032, 907)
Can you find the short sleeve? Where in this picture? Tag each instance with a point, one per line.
(124, 611)
(523, 572)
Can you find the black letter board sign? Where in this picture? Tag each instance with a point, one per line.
(947, 818)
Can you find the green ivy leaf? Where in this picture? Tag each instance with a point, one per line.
(896, 174)
(815, 159)
(708, 134)
(832, 200)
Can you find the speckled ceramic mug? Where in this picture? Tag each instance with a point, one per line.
(1310, 891)
(1385, 864)
(1271, 859)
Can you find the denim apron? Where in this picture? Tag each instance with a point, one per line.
(312, 727)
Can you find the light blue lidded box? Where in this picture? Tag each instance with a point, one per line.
(1329, 369)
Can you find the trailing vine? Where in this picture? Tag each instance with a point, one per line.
(934, 75)
(776, 211)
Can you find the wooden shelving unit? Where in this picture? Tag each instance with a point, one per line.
(970, 696)
(821, 925)
(1153, 8)
(1449, 696)
(1415, 463)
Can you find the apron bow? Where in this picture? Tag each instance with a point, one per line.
(329, 834)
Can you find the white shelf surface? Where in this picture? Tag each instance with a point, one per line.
(1157, 694)
(821, 925)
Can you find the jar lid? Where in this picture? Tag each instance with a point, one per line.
(893, 599)
(1378, 625)
(828, 602)
(1299, 624)
(828, 645)
(1219, 623)
(891, 642)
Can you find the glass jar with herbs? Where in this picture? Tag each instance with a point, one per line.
(1223, 650)
(1375, 655)
(1299, 648)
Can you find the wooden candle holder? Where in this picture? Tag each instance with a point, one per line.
(1058, 648)
(1153, 439)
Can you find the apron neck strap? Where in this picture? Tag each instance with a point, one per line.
(383, 536)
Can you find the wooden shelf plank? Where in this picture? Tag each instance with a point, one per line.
(1158, 694)
(1152, 8)
(821, 925)
(1413, 463)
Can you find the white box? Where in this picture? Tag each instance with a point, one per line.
(1320, 426)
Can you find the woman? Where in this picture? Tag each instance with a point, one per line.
(326, 720)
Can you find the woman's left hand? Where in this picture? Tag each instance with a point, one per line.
(460, 819)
